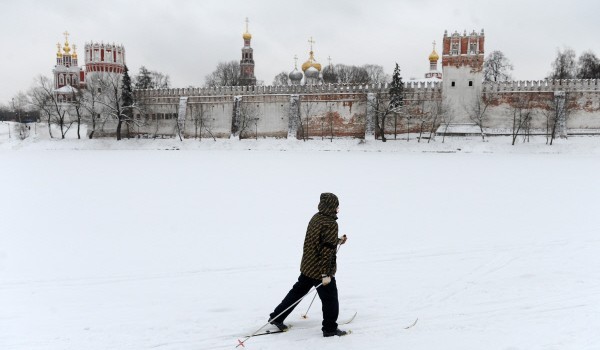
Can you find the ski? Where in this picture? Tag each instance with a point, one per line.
(412, 324)
(349, 320)
(289, 326)
(269, 332)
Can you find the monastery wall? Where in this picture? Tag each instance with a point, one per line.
(582, 99)
(265, 111)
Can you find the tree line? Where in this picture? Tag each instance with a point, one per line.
(106, 97)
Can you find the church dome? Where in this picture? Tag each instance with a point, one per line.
(312, 72)
(295, 75)
(434, 56)
(311, 63)
(247, 36)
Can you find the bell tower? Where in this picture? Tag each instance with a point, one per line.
(247, 77)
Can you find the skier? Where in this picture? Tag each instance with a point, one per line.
(318, 266)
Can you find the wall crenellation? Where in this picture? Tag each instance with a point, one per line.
(411, 86)
(577, 85)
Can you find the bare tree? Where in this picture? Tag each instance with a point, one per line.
(564, 66)
(148, 79)
(351, 74)
(51, 105)
(307, 107)
(422, 116)
(497, 67)
(437, 111)
(78, 103)
(20, 106)
(115, 106)
(376, 74)
(281, 79)
(249, 117)
(382, 110)
(202, 116)
(90, 101)
(521, 110)
(588, 66)
(226, 74)
(330, 118)
(447, 118)
(477, 110)
(41, 100)
(557, 112)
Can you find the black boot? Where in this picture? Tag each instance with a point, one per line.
(282, 327)
(337, 332)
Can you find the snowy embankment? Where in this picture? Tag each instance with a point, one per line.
(192, 250)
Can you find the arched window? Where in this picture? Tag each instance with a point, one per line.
(61, 79)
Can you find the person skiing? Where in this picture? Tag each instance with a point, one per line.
(318, 266)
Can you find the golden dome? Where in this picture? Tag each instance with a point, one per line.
(66, 48)
(58, 54)
(311, 63)
(74, 51)
(434, 55)
(247, 35)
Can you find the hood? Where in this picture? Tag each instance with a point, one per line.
(328, 204)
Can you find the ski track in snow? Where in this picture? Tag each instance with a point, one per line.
(486, 258)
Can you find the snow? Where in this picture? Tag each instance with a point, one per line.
(490, 246)
(66, 89)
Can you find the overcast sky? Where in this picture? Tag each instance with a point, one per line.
(186, 39)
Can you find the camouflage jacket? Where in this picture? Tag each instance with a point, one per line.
(321, 240)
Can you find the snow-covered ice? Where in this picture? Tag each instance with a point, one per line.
(192, 249)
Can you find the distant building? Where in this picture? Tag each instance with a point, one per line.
(247, 77)
(462, 64)
(68, 76)
(433, 73)
(100, 58)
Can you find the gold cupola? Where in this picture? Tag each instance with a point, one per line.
(311, 59)
(58, 53)
(434, 57)
(247, 35)
(66, 48)
(74, 51)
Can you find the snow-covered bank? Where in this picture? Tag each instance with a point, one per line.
(192, 250)
(502, 145)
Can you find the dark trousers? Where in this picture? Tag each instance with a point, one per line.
(328, 295)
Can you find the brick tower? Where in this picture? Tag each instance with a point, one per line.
(247, 77)
(462, 69)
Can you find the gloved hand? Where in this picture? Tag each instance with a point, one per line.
(326, 280)
(343, 239)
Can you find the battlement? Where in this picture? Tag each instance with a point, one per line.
(578, 85)
(287, 90)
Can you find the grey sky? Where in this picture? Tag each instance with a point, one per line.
(186, 39)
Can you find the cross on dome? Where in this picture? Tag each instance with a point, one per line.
(311, 41)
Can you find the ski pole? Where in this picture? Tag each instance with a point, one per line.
(241, 342)
(306, 313)
(313, 300)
